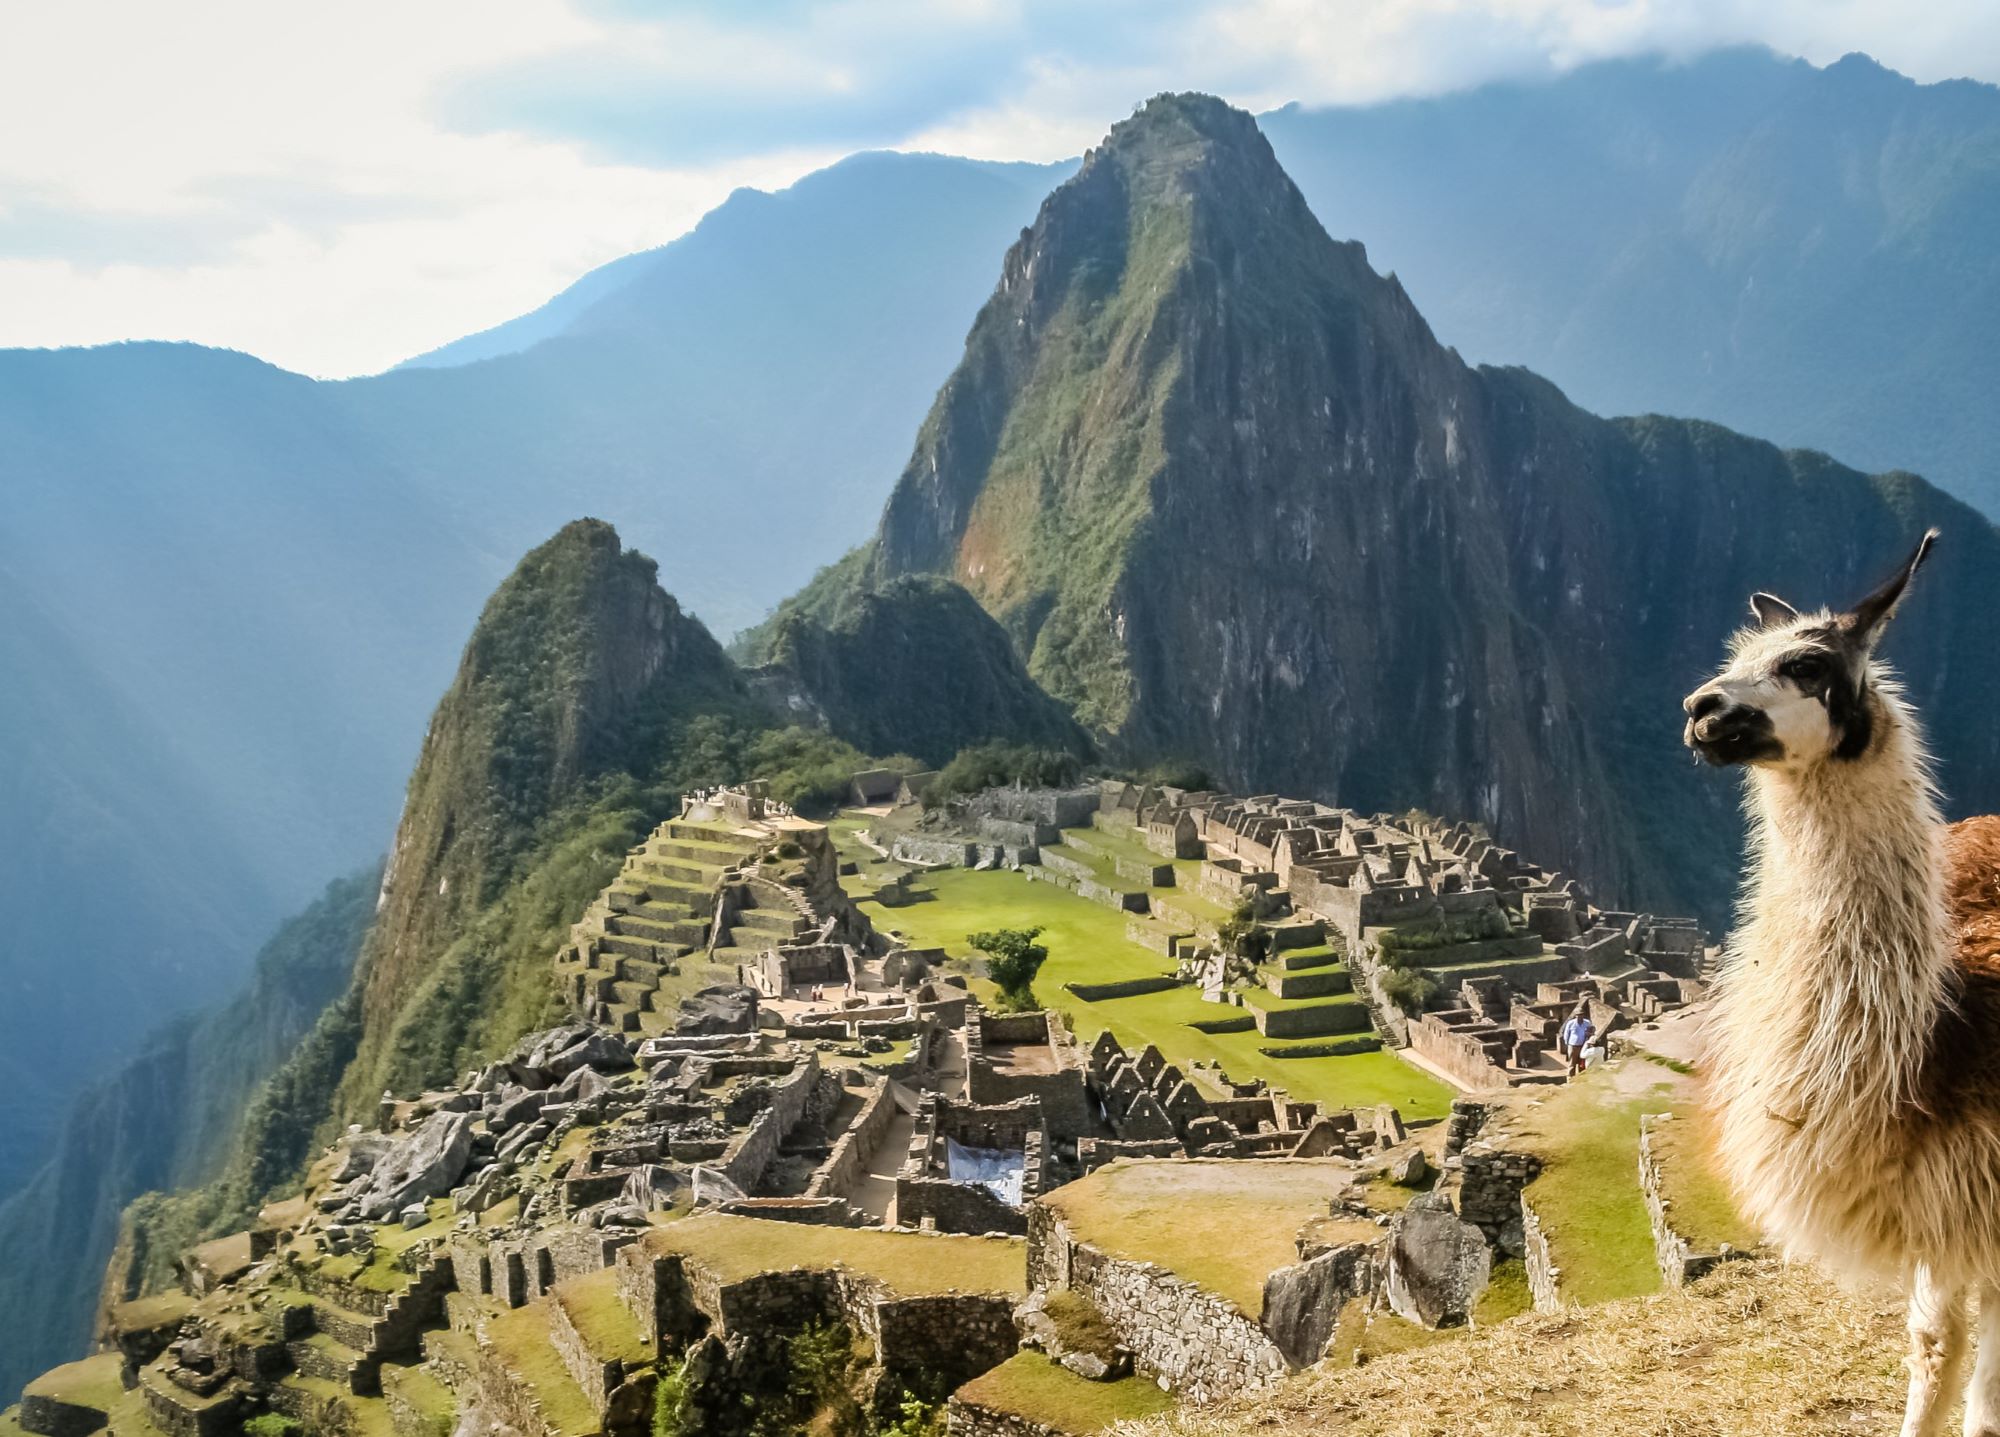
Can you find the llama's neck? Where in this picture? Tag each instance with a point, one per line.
(1844, 963)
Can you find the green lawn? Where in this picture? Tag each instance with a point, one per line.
(598, 1312)
(1086, 941)
(1031, 1386)
(521, 1338)
(1087, 944)
(915, 1264)
(91, 1382)
(1587, 1135)
(1223, 1225)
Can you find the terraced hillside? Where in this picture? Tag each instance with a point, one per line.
(646, 943)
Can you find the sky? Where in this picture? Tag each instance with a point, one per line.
(336, 188)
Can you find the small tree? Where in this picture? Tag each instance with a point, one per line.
(1013, 958)
(1240, 933)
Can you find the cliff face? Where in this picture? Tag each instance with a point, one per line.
(1232, 500)
(915, 667)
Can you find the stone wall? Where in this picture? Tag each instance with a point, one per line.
(969, 1419)
(750, 1154)
(947, 1338)
(953, 1207)
(1462, 1059)
(1489, 1181)
(853, 1150)
(1680, 1261)
(1544, 1277)
(1065, 1100)
(1126, 988)
(1200, 1346)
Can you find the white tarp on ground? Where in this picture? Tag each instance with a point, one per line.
(996, 1170)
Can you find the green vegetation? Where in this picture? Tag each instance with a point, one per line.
(1393, 943)
(998, 765)
(915, 665)
(1702, 1209)
(272, 1424)
(1013, 958)
(520, 1338)
(1033, 1387)
(809, 1389)
(1226, 1226)
(89, 1382)
(1507, 1294)
(1587, 1135)
(1243, 935)
(1410, 989)
(1079, 1325)
(914, 1264)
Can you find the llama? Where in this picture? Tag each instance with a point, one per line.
(1855, 1043)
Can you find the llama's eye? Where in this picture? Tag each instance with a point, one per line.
(1805, 669)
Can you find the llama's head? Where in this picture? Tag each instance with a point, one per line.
(1798, 689)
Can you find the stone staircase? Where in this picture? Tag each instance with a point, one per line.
(760, 914)
(653, 926)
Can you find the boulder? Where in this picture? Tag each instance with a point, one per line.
(1302, 1302)
(488, 1186)
(1438, 1265)
(516, 1106)
(1408, 1168)
(582, 1085)
(599, 1050)
(364, 1150)
(426, 1164)
(539, 1049)
(725, 1008)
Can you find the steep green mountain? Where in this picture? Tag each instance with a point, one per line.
(572, 691)
(1800, 252)
(232, 594)
(166, 1120)
(1234, 501)
(914, 667)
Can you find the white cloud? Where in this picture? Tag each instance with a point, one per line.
(334, 188)
(272, 178)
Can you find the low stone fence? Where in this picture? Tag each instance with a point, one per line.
(1680, 1261)
(1463, 1058)
(1544, 1277)
(965, 1418)
(1200, 1346)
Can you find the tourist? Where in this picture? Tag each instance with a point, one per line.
(1575, 1037)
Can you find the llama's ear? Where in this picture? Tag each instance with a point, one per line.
(1867, 619)
(1771, 611)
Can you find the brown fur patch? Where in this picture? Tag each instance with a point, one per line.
(1972, 891)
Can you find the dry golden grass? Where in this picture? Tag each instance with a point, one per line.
(1224, 1225)
(1757, 1349)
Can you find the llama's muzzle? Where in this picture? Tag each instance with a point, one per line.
(1721, 732)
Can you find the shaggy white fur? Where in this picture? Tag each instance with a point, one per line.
(1842, 1133)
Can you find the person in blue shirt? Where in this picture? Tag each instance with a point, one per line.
(1575, 1037)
